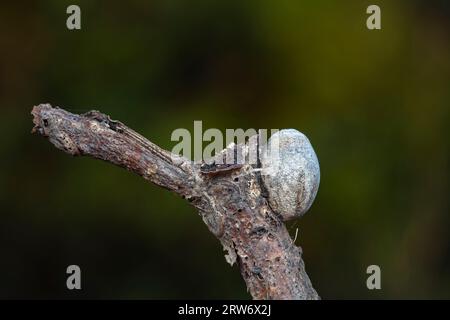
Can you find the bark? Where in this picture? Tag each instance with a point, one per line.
(230, 199)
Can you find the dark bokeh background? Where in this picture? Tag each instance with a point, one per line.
(375, 105)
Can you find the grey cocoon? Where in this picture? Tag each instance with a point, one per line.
(291, 173)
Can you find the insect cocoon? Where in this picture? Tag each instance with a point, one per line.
(290, 172)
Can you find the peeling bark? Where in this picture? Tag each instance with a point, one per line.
(231, 200)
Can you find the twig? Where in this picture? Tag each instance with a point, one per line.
(231, 203)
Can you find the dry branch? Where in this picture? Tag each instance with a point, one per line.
(231, 202)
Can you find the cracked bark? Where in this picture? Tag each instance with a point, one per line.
(230, 200)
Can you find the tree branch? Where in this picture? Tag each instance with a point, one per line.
(231, 202)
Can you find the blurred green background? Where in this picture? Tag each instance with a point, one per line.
(375, 105)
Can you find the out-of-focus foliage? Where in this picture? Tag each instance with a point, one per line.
(375, 105)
